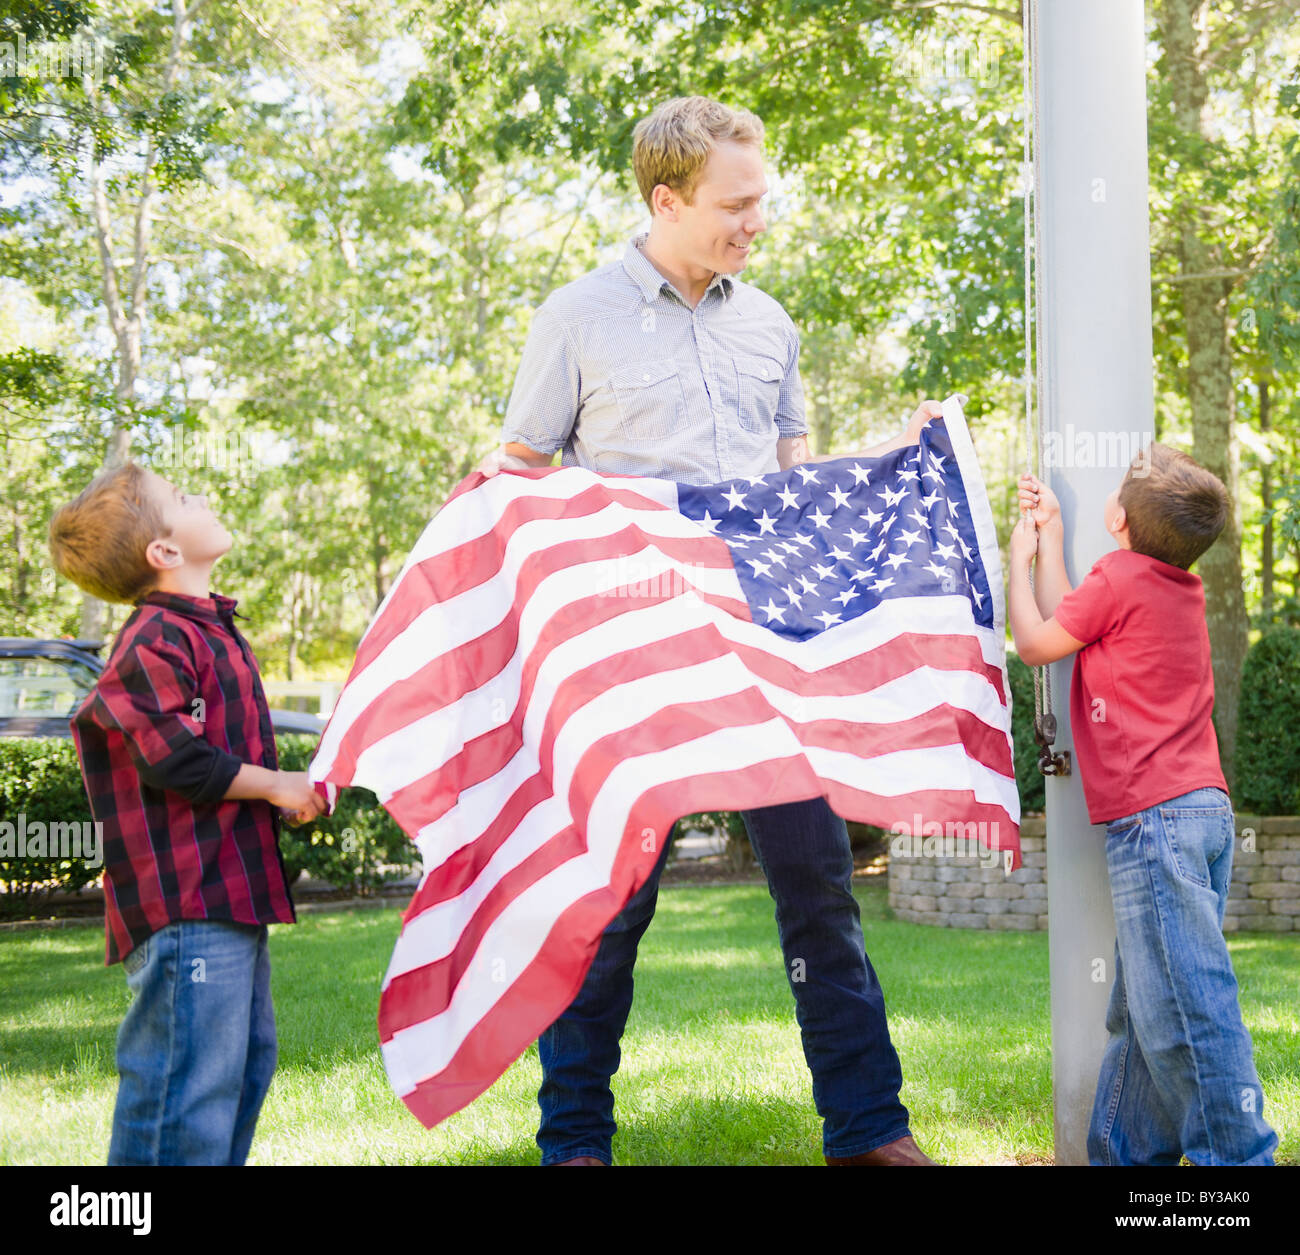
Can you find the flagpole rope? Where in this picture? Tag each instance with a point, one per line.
(1033, 433)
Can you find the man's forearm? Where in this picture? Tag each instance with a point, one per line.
(796, 452)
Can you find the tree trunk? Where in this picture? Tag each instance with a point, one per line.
(1209, 375)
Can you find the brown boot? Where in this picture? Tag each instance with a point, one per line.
(904, 1153)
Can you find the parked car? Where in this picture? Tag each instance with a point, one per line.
(43, 681)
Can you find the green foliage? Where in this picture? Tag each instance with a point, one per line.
(1029, 780)
(1268, 749)
(357, 848)
(40, 783)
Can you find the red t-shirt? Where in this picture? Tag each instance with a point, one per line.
(1143, 692)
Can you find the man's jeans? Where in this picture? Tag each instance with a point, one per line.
(196, 1051)
(803, 849)
(1177, 1076)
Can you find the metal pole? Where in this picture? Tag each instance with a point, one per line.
(1096, 399)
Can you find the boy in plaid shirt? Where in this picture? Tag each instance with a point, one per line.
(178, 757)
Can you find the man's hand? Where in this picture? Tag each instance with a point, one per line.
(513, 457)
(1039, 500)
(1024, 543)
(297, 799)
(499, 460)
(924, 413)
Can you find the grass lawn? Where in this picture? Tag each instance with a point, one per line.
(713, 1071)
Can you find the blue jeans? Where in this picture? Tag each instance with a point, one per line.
(803, 849)
(1177, 1076)
(196, 1051)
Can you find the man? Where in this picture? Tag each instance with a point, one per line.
(664, 364)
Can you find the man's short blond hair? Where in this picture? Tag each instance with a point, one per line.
(672, 145)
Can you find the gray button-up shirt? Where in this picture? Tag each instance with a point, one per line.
(621, 373)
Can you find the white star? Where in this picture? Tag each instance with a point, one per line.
(818, 519)
(922, 519)
(789, 498)
(856, 537)
(865, 574)
(847, 596)
(788, 547)
(888, 523)
(823, 572)
(755, 480)
(873, 518)
(773, 611)
(838, 554)
(936, 459)
(912, 538)
(827, 618)
(935, 569)
(773, 557)
(766, 525)
(979, 597)
(803, 540)
(859, 475)
(809, 477)
(945, 551)
(796, 599)
(896, 560)
(929, 500)
(760, 567)
(709, 522)
(840, 497)
(931, 473)
(907, 476)
(892, 497)
(951, 530)
(954, 506)
(878, 550)
(807, 584)
(880, 585)
(735, 497)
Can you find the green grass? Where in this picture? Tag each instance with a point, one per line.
(713, 1071)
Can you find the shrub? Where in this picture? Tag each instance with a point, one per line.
(358, 847)
(1029, 780)
(1268, 733)
(40, 784)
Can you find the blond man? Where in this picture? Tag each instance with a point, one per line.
(665, 364)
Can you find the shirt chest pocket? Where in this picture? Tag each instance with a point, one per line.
(758, 381)
(650, 399)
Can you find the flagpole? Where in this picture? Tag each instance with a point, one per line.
(1096, 400)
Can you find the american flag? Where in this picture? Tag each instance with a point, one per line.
(569, 662)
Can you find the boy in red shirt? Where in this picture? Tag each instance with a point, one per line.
(178, 757)
(1177, 1076)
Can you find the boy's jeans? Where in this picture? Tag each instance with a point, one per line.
(1177, 1076)
(803, 848)
(196, 1050)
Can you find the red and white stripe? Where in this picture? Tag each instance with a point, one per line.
(538, 738)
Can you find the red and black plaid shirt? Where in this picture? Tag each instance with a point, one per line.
(178, 710)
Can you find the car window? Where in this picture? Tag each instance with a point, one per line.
(42, 686)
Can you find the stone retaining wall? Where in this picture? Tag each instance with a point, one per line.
(953, 892)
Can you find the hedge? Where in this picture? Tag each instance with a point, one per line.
(1268, 730)
(356, 848)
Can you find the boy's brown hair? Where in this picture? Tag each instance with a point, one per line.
(673, 144)
(1175, 508)
(99, 540)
